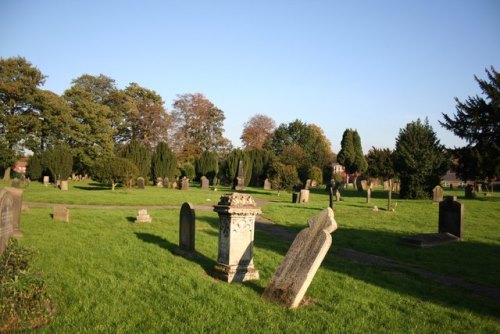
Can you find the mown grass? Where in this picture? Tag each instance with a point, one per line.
(107, 274)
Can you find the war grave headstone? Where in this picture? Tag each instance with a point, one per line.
(64, 185)
(143, 216)
(450, 226)
(236, 238)
(437, 194)
(267, 184)
(204, 182)
(304, 196)
(6, 218)
(303, 259)
(159, 182)
(140, 182)
(240, 179)
(187, 230)
(60, 213)
(185, 183)
(166, 182)
(17, 196)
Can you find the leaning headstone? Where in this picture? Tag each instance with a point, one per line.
(64, 185)
(240, 179)
(60, 213)
(304, 196)
(236, 238)
(204, 182)
(185, 183)
(17, 204)
(451, 217)
(166, 182)
(308, 184)
(143, 217)
(187, 229)
(140, 182)
(6, 218)
(15, 183)
(159, 182)
(292, 278)
(368, 195)
(470, 192)
(267, 184)
(437, 194)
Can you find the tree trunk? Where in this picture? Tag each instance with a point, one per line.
(6, 174)
(389, 197)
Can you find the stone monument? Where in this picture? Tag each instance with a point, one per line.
(308, 184)
(17, 204)
(140, 182)
(204, 182)
(143, 217)
(166, 182)
(46, 181)
(60, 213)
(470, 191)
(240, 179)
(159, 182)
(292, 278)
(437, 194)
(368, 195)
(304, 196)
(185, 183)
(236, 234)
(64, 185)
(187, 229)
(267, 184)
(6, 218)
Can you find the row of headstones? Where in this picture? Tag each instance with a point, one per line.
(182, 184)
(470, 192)
(10, 215)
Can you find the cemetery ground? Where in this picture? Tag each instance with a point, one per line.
(106, 273)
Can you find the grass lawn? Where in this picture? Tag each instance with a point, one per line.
(107, 274)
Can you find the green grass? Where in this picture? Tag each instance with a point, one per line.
(107, 274)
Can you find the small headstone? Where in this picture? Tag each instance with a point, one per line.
(437, 194)
(267, 184)
(240, 179)
(175, 185)
(17, 196)
(292, 278)
(204, 182)
(185, 183)
(187, 228)
(140, 182)
(368, 195)
(308, 184)
(15, 183)
(337, 196)
(6, 218)
(159, 182)
(375, 208)
(304, 196)
(470, 192)
(364, 185)
(479, 188)
(60, 213)
(166, 182)
(46, 181)
(64, 185)
(143, 216)
(386, 185)
(451, 217)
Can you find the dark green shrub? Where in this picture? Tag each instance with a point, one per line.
(163, 162)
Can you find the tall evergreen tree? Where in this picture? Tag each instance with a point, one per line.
(351, 153)
(419, 159)
(59, 161)
(140, 155)
(35, 167)
(163, 162)
(207, 165)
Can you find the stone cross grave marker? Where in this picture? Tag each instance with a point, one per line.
(140, 182)
(204, 182)
(6, 218)
(17, 196)
(240, 179)
(143, 216)
(267, 184)
(294, 275)
(236, 234)
(437, 194)
(451, 217)
(187, 228)
(60, 213)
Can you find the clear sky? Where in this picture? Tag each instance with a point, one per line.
(369, 65)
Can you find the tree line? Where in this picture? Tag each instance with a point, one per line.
(117, 134)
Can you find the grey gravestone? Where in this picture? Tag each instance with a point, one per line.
(159, 182)
(60, 213)
(304, 196)
(368, 195)
(236, 238)
(267, 184)
(187, 228)
(143, 217)
(140, 182)
(240, 179)
(185, 183)
(166, 182)
(470, 192)
(308, 184)
(292, 278)
(6, 218)
(204, 182)
(437, 194)
(17, 204)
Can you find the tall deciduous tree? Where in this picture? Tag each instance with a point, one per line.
(477, 120)
(256, 131)
(419, 159)
(163, 162)
(199, 126)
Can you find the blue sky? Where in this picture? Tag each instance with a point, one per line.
(369, 65)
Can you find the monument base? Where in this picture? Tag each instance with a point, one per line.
(235, 273)
(429, 239)
(185, 253)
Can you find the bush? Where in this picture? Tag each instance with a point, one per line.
(59, 161)
(283, 177)
(163, 162)
(140, 156)
(35, 167)
(113, 170)
(207, 165)
(187, 170)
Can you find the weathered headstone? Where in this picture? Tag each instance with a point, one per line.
(6, 218)
(159, 182)
(187, 228)
(451, 217)
(140, 182)
(166, 182)
(204, 182)
(437, 194)
(236, 234)
(308, 184)
(240, 179)
(17, 203)
(386, 185)
(337, 196)
(314, 184)
(185, 183)
(143, 216)
(267, 184)
(60, 213)
(304, 196)
(470, 192)
(175, 185)
(64, 185)
(368, 195)
(292, 278)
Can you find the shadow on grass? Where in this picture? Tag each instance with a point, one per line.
(433, 274)
(131, 219)
(94, 186)
(203, 261)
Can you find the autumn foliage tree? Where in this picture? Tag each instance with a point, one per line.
(256, 131)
